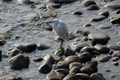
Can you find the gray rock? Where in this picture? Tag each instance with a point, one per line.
(102, 48)
(117, 11)
(104, 13)
(26, 47)
(60, 51)
(46, 26)
(19, 62)
(42, 47)
(115, 19)
(53, 5)
(92, 7)
(113, 6)
(82, 76)
(103, 58)
(54, 75)
(62, 1)
(71, 77)
(116, 63)
(97, 76)
(87, 49)
(103, 26)
(0, 55)
(75, 69)
(2, 42)
(116, 54)
(73, 64)
(38, 59)
(78, 13)
(75, 46)
(69, 52)
(87, 3)
(62, 64)
(63, 71)
(115, 58)
(100, 38)
(114, 46)
(98, 18)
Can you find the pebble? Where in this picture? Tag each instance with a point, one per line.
(92, 7)
(98, 18)
(53, 5)
(46, 26)
(103, 49)
(0, 55)
(5, 0)
(104, 13)
(115, 19)
(87, 3)
(116, 54)
(117, 11)
(39, 59)
(85, 57)
(100, 38)
(78, 13)
(59, 52)
(42, 47)
(71, 77)
(113, 6)
(115, 63)
(115, 58)
(25, 2)
(54, 75)
(19, 62)
(73, 64)
(103, 58)
(97, 76)
(76, 46)
(82, 76)
(62, 1)
(69, 52)
(75, 69)
(62, 64)
(2, 42)
(114, 46)
(103, 26)
(87, 49)
(63, 71)
(26, 47)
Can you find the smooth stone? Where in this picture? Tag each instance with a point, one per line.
(62, 1)
(75, 69)
(76, 46)
(53, 5)
(2, 42)
(71, 77)
(104, 13)
(87, 49)
(98, 18)
(82, 76)
(69, 52)
(73, 64)
(92, 7)
(72, 58)
(78, 13)
(114, 46)
(42, 47)
(14, 78)
(0, 55)
(113, 6)
(115, 63)
(102, 48)
(60, 51)
(38, 59)
(103, 26)
(90, 67)
(103, 58)
(83, 32)
(85, 56)
(63, 71)
(25, 1)
(115, 58)
(100, 38)
(97, 76)
(54, 75)
(19, 62)
(87, 25)
(115, 19)
(117, 11)
(62, 64)
(26, 47)
(116, 54)
(87, 3)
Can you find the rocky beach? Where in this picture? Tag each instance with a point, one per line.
(29, 50)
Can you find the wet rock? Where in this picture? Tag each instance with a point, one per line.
(98, 18)
(60, 51)
(113, 6)
(2, 42)
(53, 5)
(14, 78)
(54, 75)
(26, 47)
(82, 76)
(19, 61)
(116, 54)
(102, 48)
(83, 32)
(0, 55)
(62, 64)
(39, 59)
(69, 52)
(78, 13)
(104, 13)
(62, 1)
(103, 26)
(87, 25)
(25, 1)
(42, 47)
(92, 7)
(71, 77)
(115, 58)
(87, 49)
(115, 19)
(117, 11)
(74, 70)
(115, 63)
(103, 58)
(97, 76)
(73, 64)
(87, 3)
(72, 58)
(63, 71)
(46, 66)
(46, 26)
(114, 46)
(76, 46)
(85, 56)
(5, 0)
(90, 67)
(100, 38)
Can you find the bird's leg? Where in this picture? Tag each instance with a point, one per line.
(61, 44)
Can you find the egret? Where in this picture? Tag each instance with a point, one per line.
(60, 29)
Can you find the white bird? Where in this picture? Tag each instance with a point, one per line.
(60, 29)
